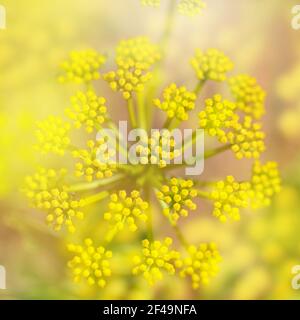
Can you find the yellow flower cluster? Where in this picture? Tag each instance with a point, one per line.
(137, 53)
(250, 97)
(178, 195)
(156, 257)
(265, 183)
(229, 196)
(52, 135)
(87, 109)
(160, 149)
(177, 102)
(134, 58)
(46, 192)
(190, 7)
(211, 65)
(124, 209)
(201, 264)
(127, 81)
(218, 116)
(151, 3)
(82, 67)
(247, 139)
(92, 167)
(90, 263)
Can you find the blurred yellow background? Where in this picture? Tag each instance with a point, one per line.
(258, 252)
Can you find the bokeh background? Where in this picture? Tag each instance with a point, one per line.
(258, 252)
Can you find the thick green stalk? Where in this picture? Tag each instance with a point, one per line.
(199, 87)
(96, 198)
(85, 186)
(131, 112)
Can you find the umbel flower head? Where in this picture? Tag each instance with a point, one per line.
(134, 58)
(100, 180)
(218, 116)
(247, 139)
(125, 210)
(127, 81)
(229, 196)
(249, 96)
(90, 263)
(82, 67)
(178, 195)
(87, 110)
(91, 167)
(156, 258)
(138, 53)
(177, 102)
(53, 135)
(211, 65)
(159, 149)
(201, 264)
(265, 182)
(46, 193)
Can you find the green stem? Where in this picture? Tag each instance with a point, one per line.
(207, 155)
(150, 216)
(214, 152)
(85, 186)
(180, 236)
(169, 22)
(178, 232)
(131, 112)
(96, 198)
(142, 117)
(199, 86)
(203, 194)
(171, 123)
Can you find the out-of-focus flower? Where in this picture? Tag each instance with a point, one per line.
(82, 67)
(134, 58)
(201, 264)
(90, 263)
(247, 139)
(138, 53)
(88, 110)
(46, 193)
(250, 97)
(177, 102)
(211, 65)
(190, 7)
(178, 195)
(265, 183)
(156, 258)
(151, 3)
(52, 135)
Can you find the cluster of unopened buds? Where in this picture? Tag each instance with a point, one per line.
(234, 122)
